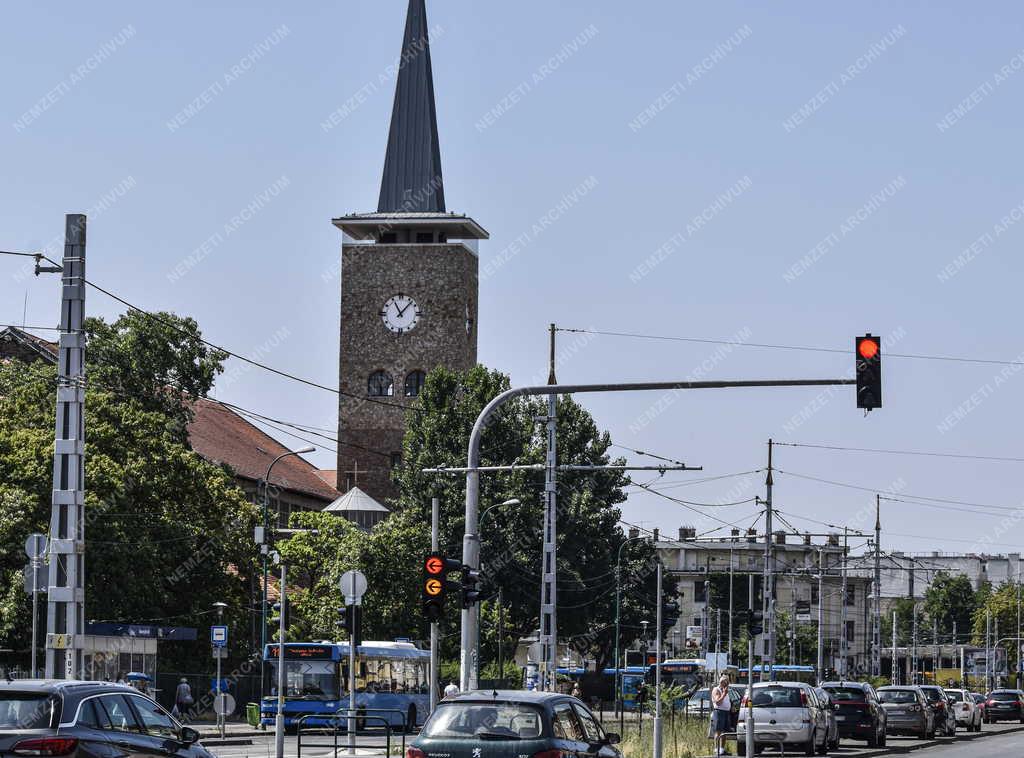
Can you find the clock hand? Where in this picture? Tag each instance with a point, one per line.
(402, 311)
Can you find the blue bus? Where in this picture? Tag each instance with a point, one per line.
(782, 672)
(389, 675)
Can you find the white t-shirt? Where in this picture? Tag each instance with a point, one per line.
(725, 705)
(451, 690)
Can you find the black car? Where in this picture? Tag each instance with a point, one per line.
(89, 720)
(859, 714)
(945, 717)
(1004, 705)
(510, 724)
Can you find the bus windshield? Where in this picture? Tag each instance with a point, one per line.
(313, 680)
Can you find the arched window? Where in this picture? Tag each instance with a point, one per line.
(414, 383)
(380, 385)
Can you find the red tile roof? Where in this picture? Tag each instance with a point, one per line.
(220, 435)
(329, 475)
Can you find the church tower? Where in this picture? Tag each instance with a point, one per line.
(409, 283)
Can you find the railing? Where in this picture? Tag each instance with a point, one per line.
(342, 716)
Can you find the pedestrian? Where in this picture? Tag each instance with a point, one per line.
(183, 697)
(721, 713)
(451, 690)
(120, 678)
(576, 691)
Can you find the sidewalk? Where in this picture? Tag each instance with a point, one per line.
(232, 730)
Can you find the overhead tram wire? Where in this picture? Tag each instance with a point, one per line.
(694, 503)
(250, 361)
(1002, 459)
(805, 348)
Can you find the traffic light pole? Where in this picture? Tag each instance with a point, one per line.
(749, 730)
(469, 665)
(435, 541)
(657, 672)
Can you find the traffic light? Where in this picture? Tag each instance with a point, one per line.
(669, 613)
(352, 622)
(470, 586)
(435, 584)
(755, 623)
(869, 372)
(275, 615)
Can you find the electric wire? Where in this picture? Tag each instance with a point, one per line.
(1003, 459)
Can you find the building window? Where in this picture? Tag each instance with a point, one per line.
(851, 631)
(396, 460)
(414, 383)
(851, 594)
(389, 238)
(815, 597)
(380, 385)
(424, 237)
(699, 595)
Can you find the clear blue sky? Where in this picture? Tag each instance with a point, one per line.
(876, 82)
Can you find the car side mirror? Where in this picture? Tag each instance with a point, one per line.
(612, 738)
(189, 736)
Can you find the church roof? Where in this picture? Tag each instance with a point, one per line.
(355, 500)
(412, 169)
(12, 335)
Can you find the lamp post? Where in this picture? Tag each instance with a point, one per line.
(618, 603)
(279, 718)
(513, 501)
(219, 606)
(266, 528)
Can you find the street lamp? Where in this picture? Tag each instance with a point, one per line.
(266, 527)
(221, 716)
(618, 602)
(279, 718)
(513, 501)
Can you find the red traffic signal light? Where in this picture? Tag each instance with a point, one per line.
(869, 372)
(434, 565)
(435, 584)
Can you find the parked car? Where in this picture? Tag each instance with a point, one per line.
(979, 700)
(89, 720)
(786, 712)
(859, 715)
(1004, 705)
(700, 703)
(907, 711)
(966, 710)
(512, 723)
(830, 715)
(945, 719)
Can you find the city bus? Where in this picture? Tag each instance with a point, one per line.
(389, 675)
(689, 673)
(781, 672)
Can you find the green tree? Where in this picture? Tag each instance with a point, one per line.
(1000, 605)
(589, 536)
(904, 608)
(167, 533)
(950, 600)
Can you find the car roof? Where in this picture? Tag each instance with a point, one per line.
(514, 696)
(901, 687)
(781, 684)
(56, 685)
(860, 685)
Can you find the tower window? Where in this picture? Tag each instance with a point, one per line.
(414, 383)
(424, 237)
(396, 460)
(389, 238)
(380, 385)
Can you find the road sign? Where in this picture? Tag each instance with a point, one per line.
(353, 586)
(41, 578)
(219, 636)
(219, 652)
(35, 545)
(803, 610)
(224, 704)
(59, 641)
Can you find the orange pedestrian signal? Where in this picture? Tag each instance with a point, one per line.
(433, 587)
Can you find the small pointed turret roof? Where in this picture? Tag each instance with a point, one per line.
(412, 169)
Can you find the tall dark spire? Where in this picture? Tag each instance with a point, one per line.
(412, 169)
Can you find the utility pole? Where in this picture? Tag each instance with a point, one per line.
(842, 610)
(749, 730)
(895, 674)
(1020, 668)
(988, 652)
(65, 605)
(549, 564)
(913, 656)
(501, 636)
(657, 671)
(821, 617)
(792, 632)
(279, 720)
(876, 632)
(731, 613)
(768, 654)
(435, 546)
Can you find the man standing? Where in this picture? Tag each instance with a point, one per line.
(183, 697)
(451, 690)
(721, 713)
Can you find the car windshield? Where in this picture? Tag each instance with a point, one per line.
(897, 696)
(474, 720)
(1004, 696)
(701, 695)
(25, 710)
(978, 698)
(933, 695)
(777, 697)
(846, 693)
(955, 696)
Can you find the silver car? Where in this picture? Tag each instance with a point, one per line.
(788, 713)
(907, 711)
(966, 710)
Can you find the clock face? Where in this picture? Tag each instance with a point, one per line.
(400, 313)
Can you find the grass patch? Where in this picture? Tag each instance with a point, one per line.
(681, 738)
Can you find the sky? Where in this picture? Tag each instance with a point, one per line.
(752, 173)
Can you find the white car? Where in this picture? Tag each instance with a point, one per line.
(786, 712)
(967, 712)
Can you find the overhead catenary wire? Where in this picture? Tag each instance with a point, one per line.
(929, 454)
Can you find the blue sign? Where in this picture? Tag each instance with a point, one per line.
(219, 636)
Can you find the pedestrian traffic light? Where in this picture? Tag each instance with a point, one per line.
(669, 613)
(869, 372)
(352, 622)
(470, 587)
(435, 584)
(755, 623)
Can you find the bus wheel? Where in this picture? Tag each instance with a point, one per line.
(410, 720)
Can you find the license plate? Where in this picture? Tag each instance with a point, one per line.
(840, 718)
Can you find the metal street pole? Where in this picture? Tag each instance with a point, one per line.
(769, 570)
(843, 652)
(350, 724)
(435, 545)
(549, 559)
(470, 631)
(1020, 668)
(65, 604)
(913, 655)
(876, 633)
(730, 607)
(895, 674)
(821, 616)
(501, 635)
(749, 725)
(657, 671)
(279, 721)
(618, 610)
(36, 563)
(221, 715)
